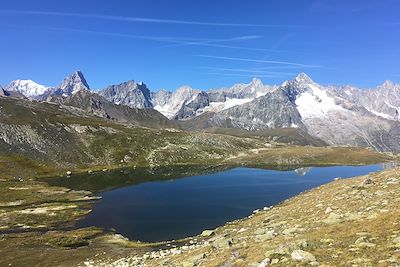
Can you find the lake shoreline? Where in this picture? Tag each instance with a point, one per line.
(66, 206)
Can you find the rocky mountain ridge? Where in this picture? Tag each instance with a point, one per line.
(336, 115)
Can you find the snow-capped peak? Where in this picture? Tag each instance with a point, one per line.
(316, 102)
(303, 78)
(74, 83)
(183, 95)
(28, 88)
(256, 82)
(388, 84)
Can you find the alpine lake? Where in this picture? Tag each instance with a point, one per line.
(173, 203)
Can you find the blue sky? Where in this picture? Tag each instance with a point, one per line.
(205, 44)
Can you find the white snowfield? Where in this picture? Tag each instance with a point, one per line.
(27, 87)
(229, 103)
(180, 97)
(316, 103)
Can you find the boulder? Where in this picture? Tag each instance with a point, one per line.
(302, 256)
(207, 233)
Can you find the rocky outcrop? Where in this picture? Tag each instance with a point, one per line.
(274, 110)
(189, 110)
(72, 84)
(130, 93)
(99, 106)
(3, 92)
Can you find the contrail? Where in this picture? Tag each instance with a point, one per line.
(262, 61)
(143, 20)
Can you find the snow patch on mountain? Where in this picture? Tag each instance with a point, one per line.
(219, 106)
(28, 88)
(396, 108)
(180, 97)
(380, 114)
(316, 103)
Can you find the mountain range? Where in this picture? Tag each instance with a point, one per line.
(334, 115)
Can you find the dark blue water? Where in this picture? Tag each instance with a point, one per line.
(157, 211)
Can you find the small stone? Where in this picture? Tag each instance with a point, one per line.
(328, 210)
(360, 240)
(368, 181)
(259, 231)
(264, 263)
(396, 240)
(333, 218)
(366, 245)
(69, 173)
(363, 234)
(187, 264)
(267, 236)
(290, 231)
(207, 233)
(222, 242)
(303, 256)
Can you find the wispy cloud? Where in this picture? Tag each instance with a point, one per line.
(143, 20)
(230, 46)
(250, 71)
(261, 61)
(249, 75)
(165, 39)
(173, 40)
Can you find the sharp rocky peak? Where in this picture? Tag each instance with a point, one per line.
(3, 92)
(256, 82)
(74, 83)
(388, 85)
(303, 78)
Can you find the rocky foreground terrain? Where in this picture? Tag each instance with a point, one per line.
(348, 222)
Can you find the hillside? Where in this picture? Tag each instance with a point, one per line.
(348, 222)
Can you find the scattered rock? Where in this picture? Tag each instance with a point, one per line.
(266, 236)
(291, 231)
(259, 231)
(256, 211)
(333, 218)
(222, 242)
(368, 181)
(274, 261)
(303, 256)
(328, 210)
(207, 233)
(264, 263)
(363, 242)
